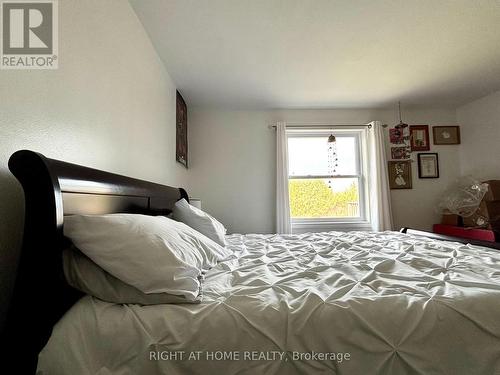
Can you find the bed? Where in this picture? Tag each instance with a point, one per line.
(341, 303)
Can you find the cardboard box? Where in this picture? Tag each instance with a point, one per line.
(490, 209)
(477, 221)
(486, 216)
(451, 219)
(493, 193)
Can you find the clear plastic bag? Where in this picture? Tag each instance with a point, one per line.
(464, 198)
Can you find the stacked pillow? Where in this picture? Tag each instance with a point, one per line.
(200, 221)
(85, 275)
(128, 258)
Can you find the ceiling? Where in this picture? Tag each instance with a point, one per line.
(327, 53)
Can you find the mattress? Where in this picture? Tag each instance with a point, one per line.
(336, 303)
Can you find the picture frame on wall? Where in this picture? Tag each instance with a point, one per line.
(400, 174)
(181, 140)
(419, 138)
(400, 153)
(428, 165)
(446, 135)
(396, 136)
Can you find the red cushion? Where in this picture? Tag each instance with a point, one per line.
(475, 234)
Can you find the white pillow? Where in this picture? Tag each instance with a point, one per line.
(83, 274)
(210, 251)
(200, 221)
(152, 253)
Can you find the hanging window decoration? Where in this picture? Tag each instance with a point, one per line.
(332, 158)
(400, 136)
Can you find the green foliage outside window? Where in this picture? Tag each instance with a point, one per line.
(313, 198)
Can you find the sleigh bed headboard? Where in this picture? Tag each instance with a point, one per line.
(53, 189)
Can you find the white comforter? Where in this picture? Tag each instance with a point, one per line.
(336, 303)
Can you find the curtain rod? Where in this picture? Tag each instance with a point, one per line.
(329, 126)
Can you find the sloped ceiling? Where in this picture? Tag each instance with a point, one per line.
(327, 53)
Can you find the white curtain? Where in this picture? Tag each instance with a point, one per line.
(380, 196)
(283, 222)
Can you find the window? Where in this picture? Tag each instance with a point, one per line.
(327, 187)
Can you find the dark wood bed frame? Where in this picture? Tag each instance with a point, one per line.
(53, 189)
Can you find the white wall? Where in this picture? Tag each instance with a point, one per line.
(233, 163)
(480, 131)
(110, 105)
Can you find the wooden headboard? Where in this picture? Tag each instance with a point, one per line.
(53, 189)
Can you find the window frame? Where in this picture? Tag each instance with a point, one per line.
(360, 222)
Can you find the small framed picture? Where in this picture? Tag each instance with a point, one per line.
(400, 153)
(400, 174)
(419, 138)
(181, 138)
(396, 136)
(446, 135)
(428, 165)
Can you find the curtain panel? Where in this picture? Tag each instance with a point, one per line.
(283, 221)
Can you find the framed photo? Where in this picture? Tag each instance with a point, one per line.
(181, 140)
(428, 165)
(396, 136)
(400, 153)
(446, 135)
(400, 174)
(419, 138)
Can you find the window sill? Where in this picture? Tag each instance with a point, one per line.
(303, 226)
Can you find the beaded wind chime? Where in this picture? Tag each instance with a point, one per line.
(332, 158)
(404, 132)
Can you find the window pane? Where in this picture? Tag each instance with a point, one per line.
(328, 198)
(308, 156)
(346, 153)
